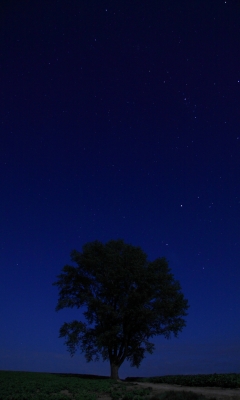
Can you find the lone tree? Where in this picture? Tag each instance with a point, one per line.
(128, 299)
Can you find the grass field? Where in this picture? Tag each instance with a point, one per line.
(47, 386)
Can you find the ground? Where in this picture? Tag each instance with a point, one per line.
(158, 388)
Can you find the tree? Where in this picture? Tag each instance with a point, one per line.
(128, 301)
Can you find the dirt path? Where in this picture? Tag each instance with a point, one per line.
(218, 393)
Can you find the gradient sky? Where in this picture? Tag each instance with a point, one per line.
(120, 119)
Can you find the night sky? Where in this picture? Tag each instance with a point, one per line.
(120, 119)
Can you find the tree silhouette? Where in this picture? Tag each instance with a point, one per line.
(128, 298)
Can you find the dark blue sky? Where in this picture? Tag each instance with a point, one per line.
(120, 119)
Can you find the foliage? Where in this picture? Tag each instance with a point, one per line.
(128, 300)
(201, 380)
(46, 386)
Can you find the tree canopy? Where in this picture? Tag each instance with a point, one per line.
(128, 300)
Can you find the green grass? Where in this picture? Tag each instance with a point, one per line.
(46, 386)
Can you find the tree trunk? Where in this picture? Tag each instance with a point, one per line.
(114, 371)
